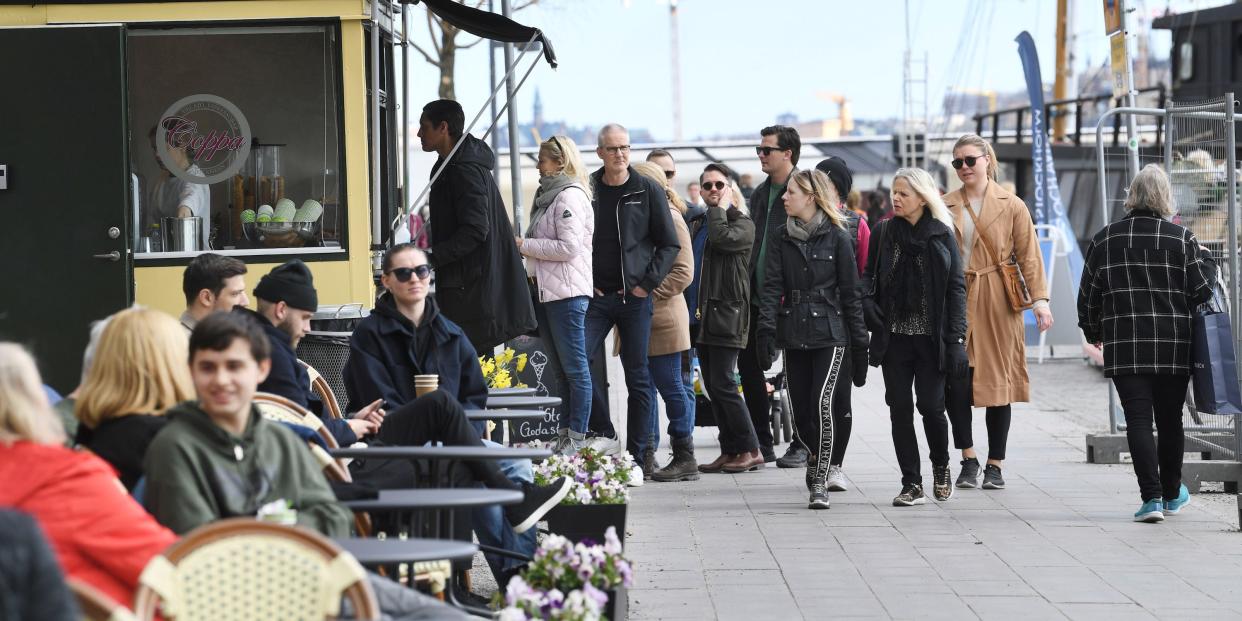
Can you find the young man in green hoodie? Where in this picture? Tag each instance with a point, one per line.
(218, 458)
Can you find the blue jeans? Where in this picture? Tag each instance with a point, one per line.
(632, 317)
(562, 326)
(492, 529)
(666, 375)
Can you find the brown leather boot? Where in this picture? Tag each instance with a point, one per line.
(743, 462)
(715, 465)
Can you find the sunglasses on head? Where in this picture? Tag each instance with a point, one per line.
(403, 274)
(969, 160)
(714, 185)
(765, 151)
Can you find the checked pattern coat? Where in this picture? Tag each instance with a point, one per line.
(1143, 277)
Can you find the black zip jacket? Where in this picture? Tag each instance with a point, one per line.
(649, 243)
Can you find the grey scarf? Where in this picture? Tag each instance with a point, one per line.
(802, 232)
(549, 187)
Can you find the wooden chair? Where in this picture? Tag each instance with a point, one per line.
(243, 569)
(276, 407)
(324, 390)
(96, 606)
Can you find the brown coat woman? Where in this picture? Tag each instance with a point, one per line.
(995, 333)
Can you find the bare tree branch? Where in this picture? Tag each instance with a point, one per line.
(432, 21)
(469, 45)
(523, 5)
(425, 54)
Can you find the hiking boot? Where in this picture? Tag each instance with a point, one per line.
(942, 489)
(795, 456)
(537, 501)
(1172, 507)
(992, 477)
(819, 497)
(1151, 512)
(836, 480)
(768, 454)
(605, 445)
(744, 462)
(683, 467)
(714, 466)
(969, 477)
(649, 463)
(911, 494)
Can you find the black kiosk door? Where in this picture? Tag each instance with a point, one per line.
(64, 258)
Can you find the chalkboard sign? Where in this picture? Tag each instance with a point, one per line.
(540, 375)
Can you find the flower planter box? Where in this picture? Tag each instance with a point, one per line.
(618, 605)
(579, 522)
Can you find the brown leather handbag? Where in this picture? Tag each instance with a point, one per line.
(1011, 275)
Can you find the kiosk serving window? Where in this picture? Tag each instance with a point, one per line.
(235, 140)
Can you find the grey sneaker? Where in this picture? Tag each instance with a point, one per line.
(910, 495)
(836, 480)
(941, 488)
(969, 477)
(819, 497)
(605, 445)
(794, 457)
(992, 477)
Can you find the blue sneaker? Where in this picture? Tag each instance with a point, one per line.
(1150, 512)
(1171, 507)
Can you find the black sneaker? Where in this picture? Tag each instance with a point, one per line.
(769, 455)
(538, 502)
(795, 457)
(992, 477)
(969, 477)
(941, 488)
(649, 463)
(819, 497)
(910, 495)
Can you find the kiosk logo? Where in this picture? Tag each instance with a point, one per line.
(206, 139)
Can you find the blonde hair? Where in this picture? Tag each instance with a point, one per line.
(853, 200)
(974, 140)
(140, 368)
(24, 410)
(563, 151)
(1150, 191)
(655, 173)
(924, 186)
(822, 191)
(736, 199)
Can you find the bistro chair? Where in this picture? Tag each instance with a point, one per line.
(278, 408)
(327, 352)
(243, 569)
(94, 605)
(324, 390)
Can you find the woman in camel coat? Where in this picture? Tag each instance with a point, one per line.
(984, 212)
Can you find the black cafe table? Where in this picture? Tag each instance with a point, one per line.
(435, 498)
(436, 456)
(514, 391)
(375, 552)
(499, 415)
(528, 403)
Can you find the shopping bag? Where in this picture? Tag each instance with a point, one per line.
(1213, 363)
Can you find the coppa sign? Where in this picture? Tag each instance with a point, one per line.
(212, 131)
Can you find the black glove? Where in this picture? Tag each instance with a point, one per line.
(872, 315)
(765, 347)
(958, 363)
(859, 359)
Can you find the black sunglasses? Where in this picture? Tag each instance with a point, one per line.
(765, 151)
(969, 161)
(718, 185)
(403, 274)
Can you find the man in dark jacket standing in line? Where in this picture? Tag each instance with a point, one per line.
(480, 281)
(635, 245)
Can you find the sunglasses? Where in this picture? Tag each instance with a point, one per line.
(714, 185)
(969, 160)
(403, 274)
(625, 148)
(766, 151)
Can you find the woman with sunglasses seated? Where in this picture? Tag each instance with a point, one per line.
(993, 226)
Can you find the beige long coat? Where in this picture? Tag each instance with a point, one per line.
(995, 335)
(670, 319)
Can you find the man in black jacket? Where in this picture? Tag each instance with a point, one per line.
(480, 281)
(634, 247)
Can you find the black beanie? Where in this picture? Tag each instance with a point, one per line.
(290, 283)
(839, 172)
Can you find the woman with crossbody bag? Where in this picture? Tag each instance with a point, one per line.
(1004, 276)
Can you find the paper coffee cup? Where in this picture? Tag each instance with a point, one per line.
(424, 384)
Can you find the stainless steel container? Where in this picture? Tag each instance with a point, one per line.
(182, 234)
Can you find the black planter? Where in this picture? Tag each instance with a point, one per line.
(618, 605)
(579, 522)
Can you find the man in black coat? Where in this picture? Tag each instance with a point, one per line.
(480, 281)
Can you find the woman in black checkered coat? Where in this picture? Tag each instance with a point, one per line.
(1143, 278)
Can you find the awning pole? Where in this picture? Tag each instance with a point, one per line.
(515, 167)
(405, 103)
(377, 213)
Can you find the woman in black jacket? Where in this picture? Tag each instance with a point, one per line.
(1141, 279)
(915, 307)
(810, 308)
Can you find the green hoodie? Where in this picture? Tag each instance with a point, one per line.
(198, 473)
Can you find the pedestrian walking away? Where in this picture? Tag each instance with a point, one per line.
(915, 308)
(1142, 278)
(992, 227)
(810, 308)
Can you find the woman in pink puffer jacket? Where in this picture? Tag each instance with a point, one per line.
(557, 248)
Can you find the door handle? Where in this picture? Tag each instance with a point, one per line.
(115, 255)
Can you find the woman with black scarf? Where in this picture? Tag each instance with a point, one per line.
(915, 307)
(810, 308)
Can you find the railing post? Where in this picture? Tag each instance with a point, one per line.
(1019, 132)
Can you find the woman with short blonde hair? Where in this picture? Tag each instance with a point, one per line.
(24, 410)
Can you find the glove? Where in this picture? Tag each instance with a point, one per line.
(859, 357)
(765, 347)
(959, 364)
(872, 315)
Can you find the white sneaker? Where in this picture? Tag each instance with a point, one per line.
(605, 446)
(636, 476)
(836, 480)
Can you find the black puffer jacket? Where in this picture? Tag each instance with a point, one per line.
(810, 294)
(480, 281)
(649, 242)
(946, 301)
(724, 285)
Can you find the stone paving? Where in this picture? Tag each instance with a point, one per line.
(1057, 543)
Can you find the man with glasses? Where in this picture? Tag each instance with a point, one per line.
(634, 247)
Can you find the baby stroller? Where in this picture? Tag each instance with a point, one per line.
(778, 400)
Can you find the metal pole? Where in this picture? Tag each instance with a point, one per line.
(1235, 284)
(405, 105)
(1131, 102)
(675, 53)
(491, 82)
(377, 213)
(515, 165)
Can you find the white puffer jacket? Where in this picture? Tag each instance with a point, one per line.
(559, 248)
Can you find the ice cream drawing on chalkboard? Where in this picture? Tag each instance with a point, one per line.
(539, 360)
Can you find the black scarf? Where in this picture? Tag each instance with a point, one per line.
(905, 289)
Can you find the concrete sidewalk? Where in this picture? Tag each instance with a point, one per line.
(1057, 543)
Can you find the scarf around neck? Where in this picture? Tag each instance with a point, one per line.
(549, 187)
(903, 295)
(802, 232)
